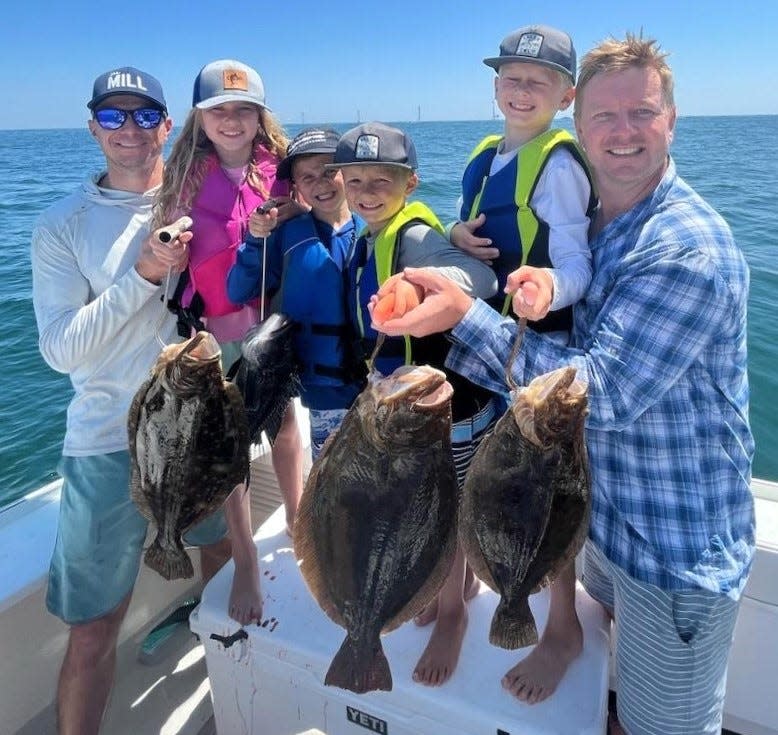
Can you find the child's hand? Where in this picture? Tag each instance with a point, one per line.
(532, 289)
(287, 208)
(261, 225)
(462, 235)
(395, 298)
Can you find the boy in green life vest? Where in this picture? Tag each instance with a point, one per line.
(527, 196)
(379, 164)
(527, 201)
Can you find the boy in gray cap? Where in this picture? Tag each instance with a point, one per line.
(379, 170)
(527, 201)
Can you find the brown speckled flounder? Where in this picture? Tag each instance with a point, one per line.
(189, 447)
(376, 529)
(526, 500)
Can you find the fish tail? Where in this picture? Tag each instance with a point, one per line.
(513, 627)
(358, 670)
(171, 563)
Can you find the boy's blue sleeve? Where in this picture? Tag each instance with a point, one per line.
(245, 277)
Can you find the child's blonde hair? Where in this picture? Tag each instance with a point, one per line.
(185, 168)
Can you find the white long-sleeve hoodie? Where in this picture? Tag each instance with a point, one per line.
(96, 316)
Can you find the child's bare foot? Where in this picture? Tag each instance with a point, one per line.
(245, 602)
(441, 655)
(430, 613)
(536, 677)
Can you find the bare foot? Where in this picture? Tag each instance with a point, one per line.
(430, 613)
(536, 677)
(245, 602)
(440, 657)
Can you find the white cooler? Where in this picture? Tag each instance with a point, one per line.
(268, 679)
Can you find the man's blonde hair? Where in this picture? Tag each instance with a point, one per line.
(615, 55)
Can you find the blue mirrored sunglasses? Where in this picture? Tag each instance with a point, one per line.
(112, 118)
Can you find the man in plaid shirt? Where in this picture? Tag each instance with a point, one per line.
(660, 337)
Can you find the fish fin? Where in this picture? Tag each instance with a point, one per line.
(171, 563)
(243, 441)
(513, 628)
(305, 549)
(353, 670)
(273, 422)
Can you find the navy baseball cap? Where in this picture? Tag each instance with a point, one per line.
(378, 143)
(537, 44)
(306, 142)
(127, 80)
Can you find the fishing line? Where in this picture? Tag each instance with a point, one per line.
(514, 354)
(163, 311)
(262, 291)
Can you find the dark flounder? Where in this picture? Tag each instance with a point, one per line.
(376, 528)
(189, 447)
(267, 374)
(526, 500)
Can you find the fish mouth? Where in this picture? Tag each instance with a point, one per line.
(550, 406)
(422, 386)
(554, 386)
(203, 347)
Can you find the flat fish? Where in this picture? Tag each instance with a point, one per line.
(375, 532)
(526, 499)
(267, 374)
(189, 447)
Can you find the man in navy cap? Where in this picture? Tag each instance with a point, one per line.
(97, 283)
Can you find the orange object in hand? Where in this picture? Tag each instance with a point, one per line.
(384, 308)
(396, 303)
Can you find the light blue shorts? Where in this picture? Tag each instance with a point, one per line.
(100, 538)
(323, 423)
(671, 650)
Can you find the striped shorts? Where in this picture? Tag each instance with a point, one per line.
(670, 650)
(467, 435)
(323, 423)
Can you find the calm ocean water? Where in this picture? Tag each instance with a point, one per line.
(732, 161)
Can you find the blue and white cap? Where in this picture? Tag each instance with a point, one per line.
(375, 142)
(127, 80)
(537, 44)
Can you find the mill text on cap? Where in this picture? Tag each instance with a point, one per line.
(123, 80)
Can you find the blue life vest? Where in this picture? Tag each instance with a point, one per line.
(511, 223)
(312, 293)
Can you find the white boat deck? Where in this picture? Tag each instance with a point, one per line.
(171, 695)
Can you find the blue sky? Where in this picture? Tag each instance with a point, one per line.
(323, 62)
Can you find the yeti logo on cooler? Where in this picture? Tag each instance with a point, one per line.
(367, 721)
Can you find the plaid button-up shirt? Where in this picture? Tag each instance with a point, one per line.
(661, 339)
